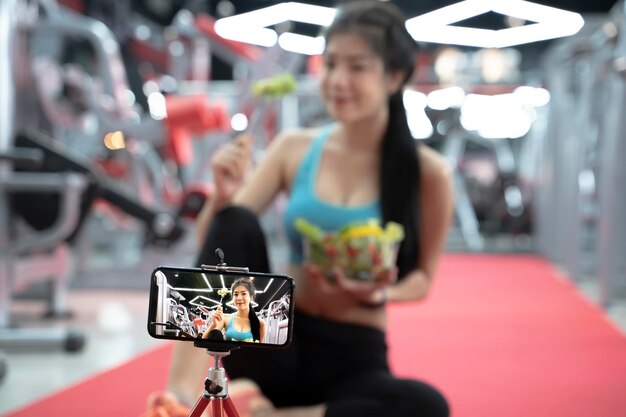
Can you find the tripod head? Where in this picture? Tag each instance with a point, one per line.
(216, 389)
(216, 383)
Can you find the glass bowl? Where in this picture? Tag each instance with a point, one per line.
(362, 249)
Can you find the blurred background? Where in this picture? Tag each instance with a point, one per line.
(110, 111)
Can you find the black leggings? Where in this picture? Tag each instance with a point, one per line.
(342, 365)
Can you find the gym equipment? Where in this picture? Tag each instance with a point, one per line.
(84, 97)
(453, 149)
(3, 368)
(579, 200)
(611, 195)
(32, 256)
(85, 103)
(162, 228)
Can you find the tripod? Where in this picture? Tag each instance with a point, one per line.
(215, 390)
(215, 384)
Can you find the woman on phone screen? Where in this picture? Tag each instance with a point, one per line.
(243, 325)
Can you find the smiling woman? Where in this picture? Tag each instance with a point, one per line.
(364, 167)
(244, 325)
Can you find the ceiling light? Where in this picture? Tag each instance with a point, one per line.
(302, 44)
(550, 23)
(532, 96)
(446, 98)
(419, 123)
(494, 117)
(253, 27)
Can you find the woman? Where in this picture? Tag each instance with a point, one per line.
(365, 165)
(244, 325)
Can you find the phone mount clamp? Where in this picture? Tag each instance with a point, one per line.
(221, 266)
(216, 382)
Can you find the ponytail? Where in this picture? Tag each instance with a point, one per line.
(255, 324)
(400, 180)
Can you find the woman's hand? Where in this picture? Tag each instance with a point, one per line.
(230, 165)
(217, 319)
(362, 291)
(370, 291)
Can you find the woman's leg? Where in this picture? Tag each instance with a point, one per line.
(344, 367)
(336, 380)
(237, 232)
(376, 394)
(380, 394)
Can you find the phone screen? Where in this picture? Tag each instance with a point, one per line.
(221, 308)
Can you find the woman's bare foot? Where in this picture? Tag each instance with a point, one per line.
(248, 398)
(165, 404)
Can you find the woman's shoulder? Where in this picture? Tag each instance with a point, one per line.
(289, 148)
(296, 138)
(434, 166)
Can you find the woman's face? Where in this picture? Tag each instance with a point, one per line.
(241, 297)
(353, 82)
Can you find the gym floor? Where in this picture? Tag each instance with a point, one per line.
(113, 321)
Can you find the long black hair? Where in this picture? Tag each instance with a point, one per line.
(382, 26)
(255, 324)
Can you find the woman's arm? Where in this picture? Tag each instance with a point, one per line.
(227, 318)
(230, 165)
(233, 184)
(270, 176)
(436, 214)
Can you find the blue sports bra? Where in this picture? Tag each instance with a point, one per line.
(303, 202)
(232, 334)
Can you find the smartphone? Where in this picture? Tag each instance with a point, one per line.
(221, 308)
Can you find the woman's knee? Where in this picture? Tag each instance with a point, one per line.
(424, 397)
(236, 219)
(237, 231)
(379, 394)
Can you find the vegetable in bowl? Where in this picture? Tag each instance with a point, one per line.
(362, 249)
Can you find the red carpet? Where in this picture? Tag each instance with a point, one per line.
(501, 336)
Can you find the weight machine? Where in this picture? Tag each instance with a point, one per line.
(33, 256)
(82, 103)
(580, 200)
(48, 188)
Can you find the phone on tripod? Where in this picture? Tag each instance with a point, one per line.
(221, 307)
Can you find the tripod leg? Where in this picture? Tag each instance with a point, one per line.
(229, 406)
(217, 408)
(199, 408)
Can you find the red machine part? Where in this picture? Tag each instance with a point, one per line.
(188, 116)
